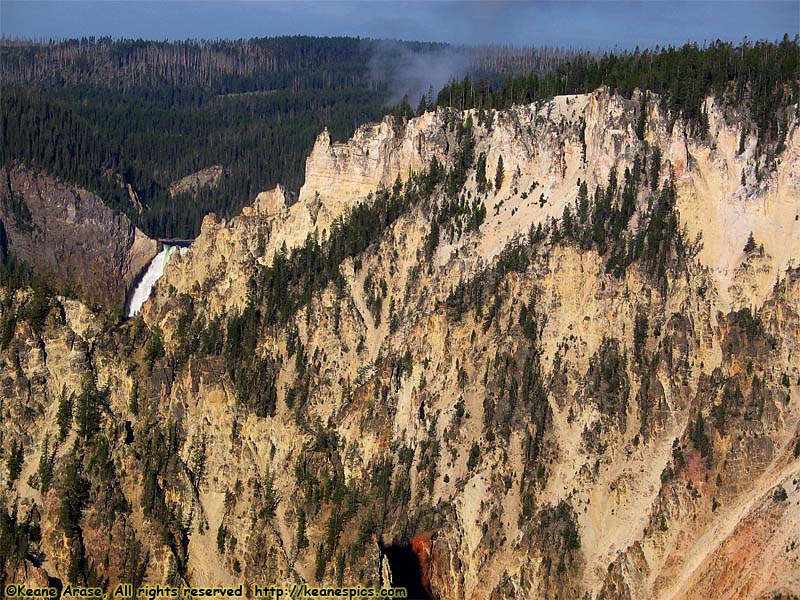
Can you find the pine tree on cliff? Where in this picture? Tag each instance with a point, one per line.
(655, 168)
(642, 121)
(422, 106)
(750, 245)
(499, 174)
(88, 413)
(45, 470)
(64, 414)
(14, 462)
(480, 173)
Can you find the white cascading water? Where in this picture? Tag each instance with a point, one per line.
(154, 272)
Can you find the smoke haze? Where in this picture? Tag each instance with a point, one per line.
(411, 72)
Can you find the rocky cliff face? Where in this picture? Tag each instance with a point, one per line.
(191, 184)
(70, 235)
(507, 401)
(723, 195)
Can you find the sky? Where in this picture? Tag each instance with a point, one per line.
(576, 24)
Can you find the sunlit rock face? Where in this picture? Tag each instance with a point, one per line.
(547, 149)
(563, 431)
(193, 183)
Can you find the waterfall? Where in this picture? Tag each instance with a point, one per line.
(153, 273)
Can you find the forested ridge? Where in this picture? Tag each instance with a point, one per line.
(215, 67)
(764, 77)
(106, 114)
(103, 139)
(235, 66)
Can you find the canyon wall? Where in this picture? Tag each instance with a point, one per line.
(69, 236)
(523, 418)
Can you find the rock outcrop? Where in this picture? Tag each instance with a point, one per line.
(548, 148)
(191, 184)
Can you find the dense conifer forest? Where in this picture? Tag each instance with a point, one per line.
(103, 113)
(110, 114)
(762, 76)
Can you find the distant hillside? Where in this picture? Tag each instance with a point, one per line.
(106, 114)
(231, 66)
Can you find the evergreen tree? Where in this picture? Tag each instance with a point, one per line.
(699, 438)
(480, 173)
(639, 336)
(14, 462)
(655, 168)
(474, 456)
(499, 174)
(133, 403)
(64, 414)
(302, 539)
(431, 99)
(222, 533)
(45, 470)
(702, 126)
(642, 121)
(154, 350)
(567, 223)
(87, 409)
(422, 106)
(74, 493)
(750, 246)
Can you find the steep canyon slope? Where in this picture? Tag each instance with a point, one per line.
(534, 346)
(70, 236)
